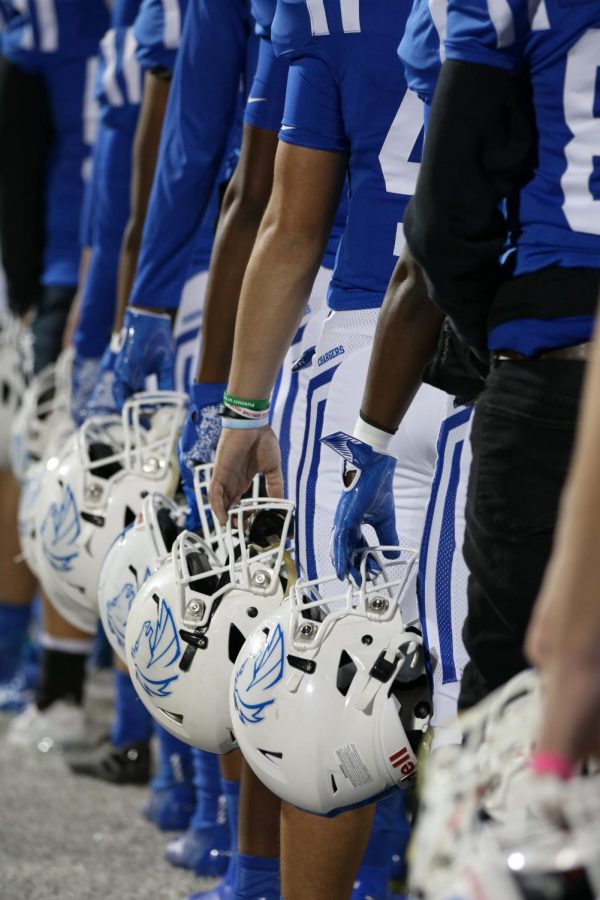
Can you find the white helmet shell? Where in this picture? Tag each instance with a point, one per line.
(13, 381)
(31, 424)
(97, 489)
(135, 553)
(29, 497)
(190, 619)
(329, 699)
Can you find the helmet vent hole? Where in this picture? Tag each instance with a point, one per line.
(236, 642)
(334, 786)
(345, 673)
(174, 717)
(169, 529)
(129, 518)
(5, 392)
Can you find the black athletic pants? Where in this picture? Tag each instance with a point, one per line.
(522, 437)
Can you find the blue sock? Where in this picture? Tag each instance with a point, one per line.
(231, 789)
(132, 722)
(14, 629)
(210, 805)
(174, 762)
(402, 834)
(256, 877)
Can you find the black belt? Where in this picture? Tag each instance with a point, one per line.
(577, 353)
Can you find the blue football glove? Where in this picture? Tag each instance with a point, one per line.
(147, 349)
(199, 438)
(368, 500)
(102, 401)
(84, 376)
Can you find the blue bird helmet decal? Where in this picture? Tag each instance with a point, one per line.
(59, 532)
(155, 653)
(256, 678)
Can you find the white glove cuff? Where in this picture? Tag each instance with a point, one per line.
(376, 438)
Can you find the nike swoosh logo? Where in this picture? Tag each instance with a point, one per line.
(256, 99)
(287, 128)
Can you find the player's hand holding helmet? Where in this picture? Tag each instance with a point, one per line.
(190, 619)
(329, 698)
(94, 491)
(367, 499)
(146, 349)
(102, 401)
(199, 437)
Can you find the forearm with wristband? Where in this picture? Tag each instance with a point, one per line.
(238, 412)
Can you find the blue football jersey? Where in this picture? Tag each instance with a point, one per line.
(422, 47)
(347, 94)
(262, 15)
(558, 43)
(201, 129)
(48, 27)
(158, 32)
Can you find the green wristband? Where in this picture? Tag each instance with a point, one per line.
(254, 405)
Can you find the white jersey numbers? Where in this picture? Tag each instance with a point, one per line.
(350, 12)
(581, 208)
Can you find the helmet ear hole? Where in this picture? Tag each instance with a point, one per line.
(236, 642)
(99, 451)
(168, 528)
(129, 517)
(345, 673)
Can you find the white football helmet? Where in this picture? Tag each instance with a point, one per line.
(28, 499)
(139, 550)
(97, 489)
(480, 779)
(135, 553)
(328, 701)
(551, 854)
(189, 621)
(15, 365)
(30, 427)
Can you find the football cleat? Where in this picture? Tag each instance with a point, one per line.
(329, 698)
(206, 852)
(96, 490)
(117, 765)
(61, 725)
(190, 619)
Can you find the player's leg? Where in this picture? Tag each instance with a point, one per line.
(443, 572)
(25, 129)
(124, 757)
(333, 398)
(56, 715)
(522, 438)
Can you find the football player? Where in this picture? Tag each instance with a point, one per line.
(342, 60)
(62, 51)
(532, 308)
